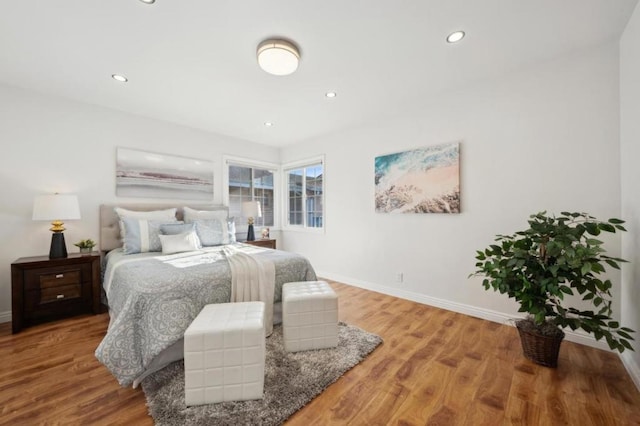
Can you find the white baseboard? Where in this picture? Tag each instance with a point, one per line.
(5, 316)
(632, 367)
(474, 311)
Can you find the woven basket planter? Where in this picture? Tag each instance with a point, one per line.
(540, 349)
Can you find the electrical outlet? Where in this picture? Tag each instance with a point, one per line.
(399, 277)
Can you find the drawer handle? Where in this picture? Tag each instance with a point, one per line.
(59, 275)
(60, 296)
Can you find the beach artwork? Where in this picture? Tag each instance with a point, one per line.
(151, 175)
(423, 180)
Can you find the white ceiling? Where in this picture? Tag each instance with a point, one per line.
(193, 62)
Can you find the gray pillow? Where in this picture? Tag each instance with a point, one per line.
(176, 228)
(141, 235)
(211, 232)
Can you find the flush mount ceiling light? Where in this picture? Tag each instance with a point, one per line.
(148, 1)
(120, 78)
(268, 124)
(331, 95)
(455, 37)
(278, 57)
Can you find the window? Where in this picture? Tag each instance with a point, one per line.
(248, 183)
(305, 187)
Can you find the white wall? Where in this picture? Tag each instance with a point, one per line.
(630, 178)
(543, 139)
(54, 145)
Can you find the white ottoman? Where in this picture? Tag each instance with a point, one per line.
(224, 351)
(309, 316)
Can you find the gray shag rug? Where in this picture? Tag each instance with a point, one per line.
(292, 379)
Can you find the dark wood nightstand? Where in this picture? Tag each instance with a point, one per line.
(44, 289)
(262, 242)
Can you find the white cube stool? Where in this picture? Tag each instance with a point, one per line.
(309, 316)
(224, 352)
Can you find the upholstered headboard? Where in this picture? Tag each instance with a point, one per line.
(110, 227)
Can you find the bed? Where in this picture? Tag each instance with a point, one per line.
(153, 296)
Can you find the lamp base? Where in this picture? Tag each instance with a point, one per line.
(58, 248)
(250, 234)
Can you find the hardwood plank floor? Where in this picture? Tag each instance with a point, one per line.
(435, 367)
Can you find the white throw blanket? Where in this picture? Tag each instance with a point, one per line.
(252, 279)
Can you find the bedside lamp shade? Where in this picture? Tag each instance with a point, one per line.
(250, 210)
(56, 208)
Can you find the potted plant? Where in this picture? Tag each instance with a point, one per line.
(85, 245)
(540, 266)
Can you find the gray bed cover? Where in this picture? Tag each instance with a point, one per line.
(153, 298)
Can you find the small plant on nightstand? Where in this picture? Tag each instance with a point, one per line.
(85, 245)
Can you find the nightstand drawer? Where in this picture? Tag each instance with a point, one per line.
(63, 279)
(41, 278)
(56, 294)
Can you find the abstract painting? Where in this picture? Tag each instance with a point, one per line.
(423, 180)
(151, 175)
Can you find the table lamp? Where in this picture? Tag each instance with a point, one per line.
(250, 210)
(56, 208)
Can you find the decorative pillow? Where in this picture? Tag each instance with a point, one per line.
(187, 241)
(141, 235)
(168, 214)
(176, 228)
(191, 215)
(231, 228)
(211, 232)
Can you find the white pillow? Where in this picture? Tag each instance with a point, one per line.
(191, 214)
(187, 241)
(231, 228)
(169, 214)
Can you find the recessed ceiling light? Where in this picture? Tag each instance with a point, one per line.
(455, 37)
(278, 57)
(148, 1)
(331, 94)
(120, 78)
(268, 124)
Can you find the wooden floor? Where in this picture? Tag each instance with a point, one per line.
(435, 367)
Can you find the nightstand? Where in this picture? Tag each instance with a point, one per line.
(44, 289)
(262, 242)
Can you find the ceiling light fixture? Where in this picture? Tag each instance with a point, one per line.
(268, 124)
(278, 57)
(331, 94)
(455, 37)
(120, 78)
(148, 1)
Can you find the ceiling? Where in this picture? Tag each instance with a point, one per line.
(193, 62)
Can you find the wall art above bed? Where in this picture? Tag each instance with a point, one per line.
(422, 180)
(152, 175)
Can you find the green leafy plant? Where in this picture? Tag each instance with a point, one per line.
(88, 243)
(553, 258)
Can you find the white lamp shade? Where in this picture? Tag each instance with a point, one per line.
(56, 207)
(251, 209)
(278, 57)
